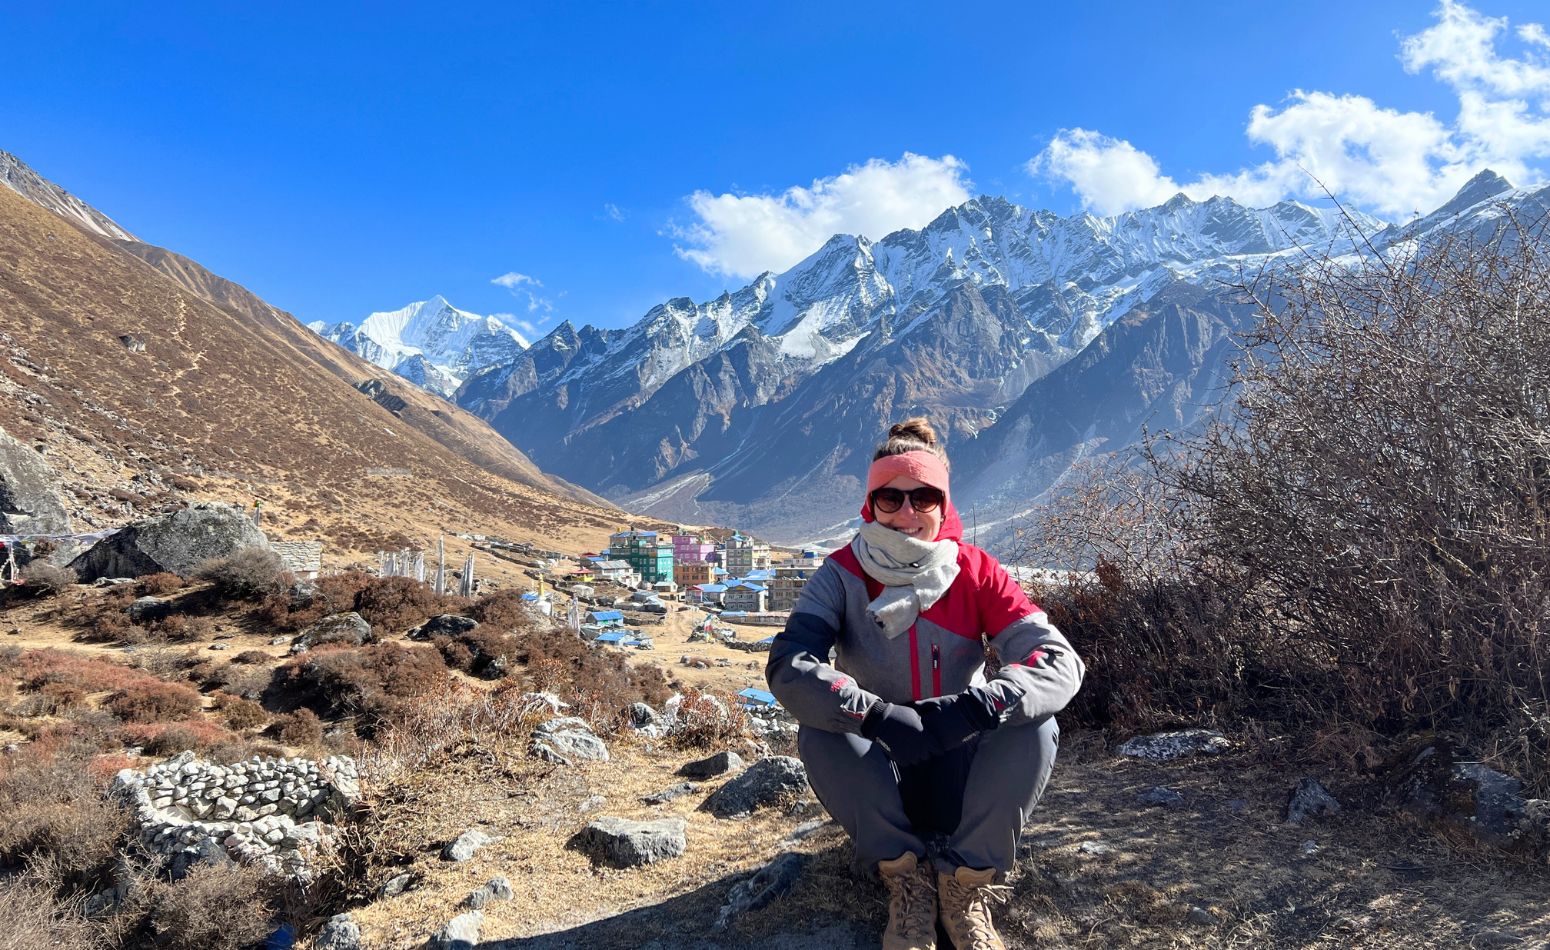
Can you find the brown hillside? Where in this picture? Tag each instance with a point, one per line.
(234, 404)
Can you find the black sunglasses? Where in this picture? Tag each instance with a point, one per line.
(922, 499)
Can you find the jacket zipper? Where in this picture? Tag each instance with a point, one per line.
(936, 670)
(914, 665)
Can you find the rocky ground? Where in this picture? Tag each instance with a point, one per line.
(1125, 852)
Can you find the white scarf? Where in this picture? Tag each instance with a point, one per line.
(915, 574)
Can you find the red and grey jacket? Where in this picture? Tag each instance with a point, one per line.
(940, 654)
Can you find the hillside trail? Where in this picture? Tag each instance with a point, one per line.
(1098, 868)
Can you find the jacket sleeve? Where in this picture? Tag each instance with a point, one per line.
(1040, 671)
(798, 670)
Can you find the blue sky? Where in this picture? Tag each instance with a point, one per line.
(339, 159)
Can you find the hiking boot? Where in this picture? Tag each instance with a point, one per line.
(911, 903)
(966, 896)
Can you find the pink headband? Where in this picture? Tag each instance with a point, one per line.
(924, 467)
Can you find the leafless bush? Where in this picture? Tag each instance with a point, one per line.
(1379, 493)
(48, 580)
(216, 907)
(34, 919)
(245, 574)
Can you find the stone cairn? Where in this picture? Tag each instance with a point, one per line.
(274, 813)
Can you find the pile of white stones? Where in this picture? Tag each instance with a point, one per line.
(271, 812)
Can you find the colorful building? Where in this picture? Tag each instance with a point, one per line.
(648, 554)
(745, 555)
(689, 573)
(691, 548)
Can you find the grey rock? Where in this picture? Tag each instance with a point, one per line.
(1095, 848)
(670, 793)
(768, 883)
(347, 628)
(147, 609)
(626, 844)
(1163, 746)
(29, 503)
(178, 542)
(767, 782)
(1308, 848)
(567, 740)
(496, 889)
(641, 716)
(460, 933)
(466, 844)
(397, 884)
(1310, 800)
(340, 932)
(1201, 917)
(1160, 795)
(444, 625)
(807, 829)
(719, 764)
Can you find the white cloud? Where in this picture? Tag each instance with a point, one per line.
(512, 280)
(1382, 159)
(521, 287)
(613, 211)
(530, 329)
(745, 235)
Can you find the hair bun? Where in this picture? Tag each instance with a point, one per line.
(917, 428)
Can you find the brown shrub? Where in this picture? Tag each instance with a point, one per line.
(246, 574)
(181, 628)
(394, 604)
(198, 735)
(371, 682)
(596, 683)
(335, 593)
(482, 652)
(37, 668)
(247, 681)
(154, 702)
(51, 699)
(57, 821)
(164, 582)
(300, 728)
(34, 918)
(215, 907)
(240, 713)
(183, 483)
(505, 610)
(48, 580)
(708, 720)
(252, 657)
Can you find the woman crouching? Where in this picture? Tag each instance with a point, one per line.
(906, 735)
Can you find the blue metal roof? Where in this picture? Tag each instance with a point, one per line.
(711, 588)
(763, 697)
(600, 616)
(615, 636)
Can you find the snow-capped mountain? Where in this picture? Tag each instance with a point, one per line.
(431, 343)
(723, 410)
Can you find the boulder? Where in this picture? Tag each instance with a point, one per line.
(1309, 799)
(466, 844)
(28, 501)
(719, 764)
(496, 889)
(1441, 784)
(443, 625)
(670, 793)
(178, 542)
(771, 781)
(1161, 796)
(1175, 745)
(348, 627)
(567, 740)
(460, 933)
(622, 843)
(147, 609)
(340, 932)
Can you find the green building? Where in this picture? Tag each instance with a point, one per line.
(647, 552)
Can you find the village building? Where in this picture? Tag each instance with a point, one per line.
(689, 573)
(691, 547)
(647, 552)
(705, 594)
(745, 555)
(745, 596)
(619, 572)
(789, 579)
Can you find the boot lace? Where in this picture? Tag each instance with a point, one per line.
(976, 901)
(914, 895)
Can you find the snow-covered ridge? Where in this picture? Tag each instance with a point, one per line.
(429, 342)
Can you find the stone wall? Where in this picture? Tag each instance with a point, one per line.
(272, 812)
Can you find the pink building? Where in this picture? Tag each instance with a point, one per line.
(689, 548)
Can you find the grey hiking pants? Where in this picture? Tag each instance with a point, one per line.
(978, 795)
